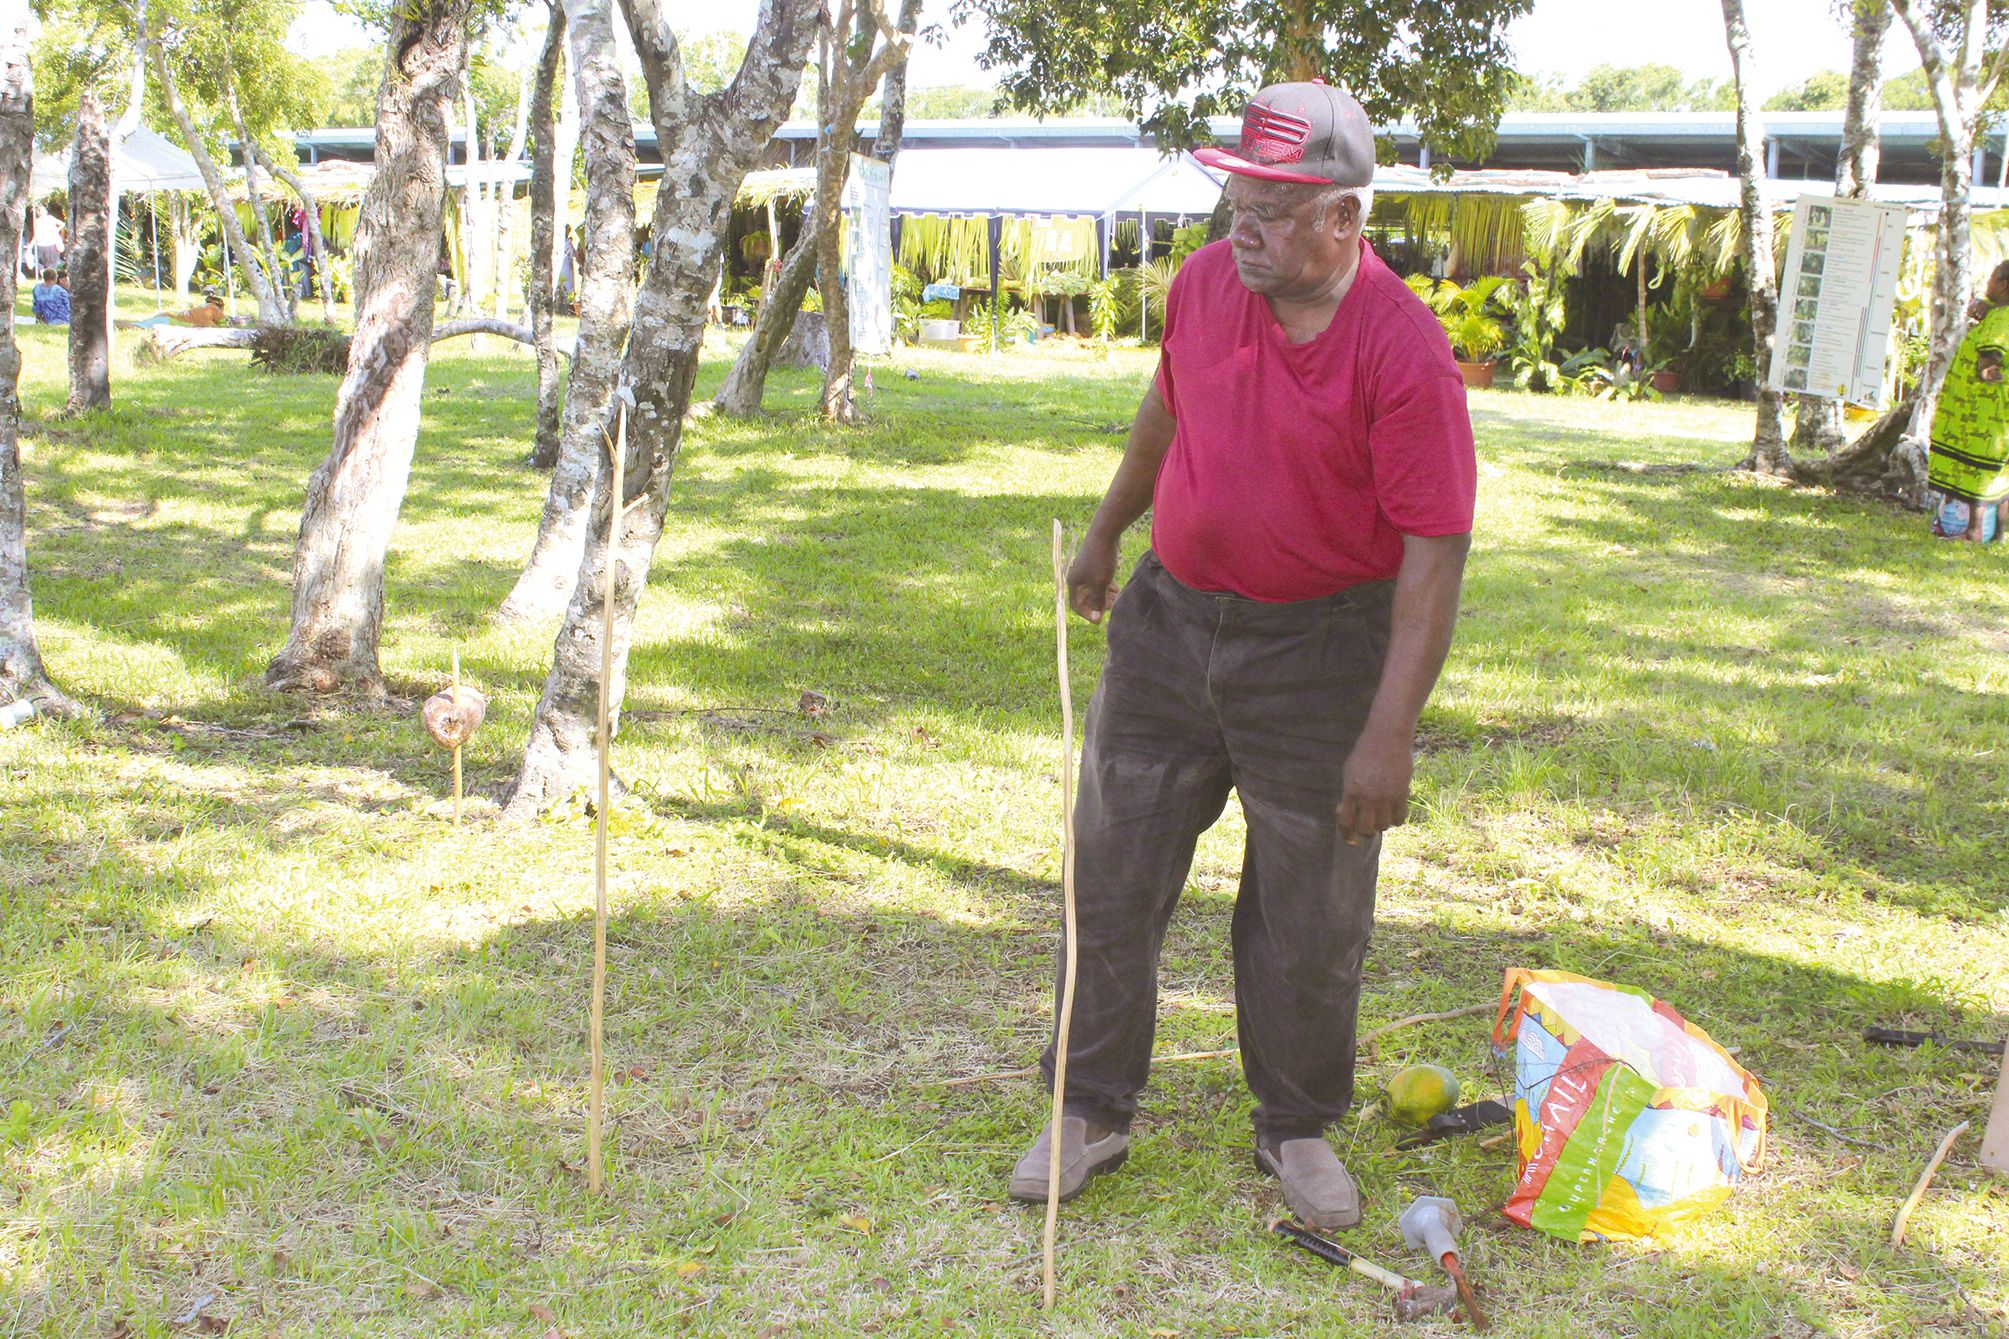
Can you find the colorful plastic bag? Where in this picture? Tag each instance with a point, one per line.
(1630, 1121)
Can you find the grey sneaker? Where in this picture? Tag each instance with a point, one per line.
(1316, 1184)
(1080, 1160)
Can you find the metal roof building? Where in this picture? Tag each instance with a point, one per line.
(1799, 146)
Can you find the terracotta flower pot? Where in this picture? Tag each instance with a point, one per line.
(1715, 290)
(1667, 382)
(1478, 376)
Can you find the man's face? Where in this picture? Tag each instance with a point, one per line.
(1998, 289)
(1282, 247)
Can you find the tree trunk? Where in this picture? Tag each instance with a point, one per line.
(90, 259)
(747, 381)
(269, 310)
(310, 211)
(708, 143)
(505, 223)
(21, 672)
(1768, 453)
(854, 70)
(1855, 172)
(604, 286)
(1817, 426)
(354, 497)
(277, 272)
(543, 209)
(893, 92)
(187, 244)
(1961, 83)
(833, 165)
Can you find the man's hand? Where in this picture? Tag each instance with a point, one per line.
(1374, 794)
(1091, 579)
(1988, 367)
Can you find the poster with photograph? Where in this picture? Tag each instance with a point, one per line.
(1836, 299)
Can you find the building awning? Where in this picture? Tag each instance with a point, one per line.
(1077, 181)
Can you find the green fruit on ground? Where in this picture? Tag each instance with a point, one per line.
(1419, 1092)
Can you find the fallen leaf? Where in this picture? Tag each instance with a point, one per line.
(689, 1268)
(1164, 1334)
(211, 1324)
(122, 1330)
(856, 1222)
(539, 1311)
(637, 1072)
(813, 703)
(421, 1289)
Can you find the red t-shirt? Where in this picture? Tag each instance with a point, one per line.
(1297, 469)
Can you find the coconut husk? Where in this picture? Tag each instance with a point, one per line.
(452, 717)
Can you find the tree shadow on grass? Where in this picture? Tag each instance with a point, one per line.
(321, 1125)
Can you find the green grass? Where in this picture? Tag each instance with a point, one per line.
(325, 1056)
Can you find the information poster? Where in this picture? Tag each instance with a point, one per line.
(868, 253)
(1836, 299)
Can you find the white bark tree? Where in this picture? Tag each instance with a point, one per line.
(604, 287)
(270, 310)
(860, 47)
(850, 65)
(544, 188)
(276, 268)
(354, 497)
(310, 209)
(22, 674)
(708, 143)
(1768, 454)
(1961, 71)
(90, 261)
(1817, 423)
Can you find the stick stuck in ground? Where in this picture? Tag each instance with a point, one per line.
(456, 747)
(1924, 1180)
(1067, 912)
(615, 513)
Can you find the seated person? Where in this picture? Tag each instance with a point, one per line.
(208, 313)
(51, 300)
(1969, 461)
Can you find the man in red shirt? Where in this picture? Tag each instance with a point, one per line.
(1307, 458)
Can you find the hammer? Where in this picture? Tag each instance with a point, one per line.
(1413, 1300)
(1432, 1222)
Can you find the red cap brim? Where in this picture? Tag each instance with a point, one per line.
(1229, 162)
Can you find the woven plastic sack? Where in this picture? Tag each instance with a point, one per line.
(1629, 1120)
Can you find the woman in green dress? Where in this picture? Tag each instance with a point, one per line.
(1969, 465)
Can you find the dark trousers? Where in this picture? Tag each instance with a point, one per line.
(1202, 693)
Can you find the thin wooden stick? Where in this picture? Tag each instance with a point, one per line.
(613, 557)
(456, 747)
(1066, 1019)
(1924, 1180)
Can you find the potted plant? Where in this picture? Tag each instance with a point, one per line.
(1468, 316)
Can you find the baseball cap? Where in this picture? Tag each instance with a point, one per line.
(1308, 132)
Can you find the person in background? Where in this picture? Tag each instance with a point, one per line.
(46, 236)
(1968, 469)
(209, 313)
(50, 300)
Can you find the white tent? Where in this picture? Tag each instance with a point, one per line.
(1092, 181)
(142, 161)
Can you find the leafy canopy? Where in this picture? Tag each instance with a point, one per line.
(1444, 62)
(1622, 88)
